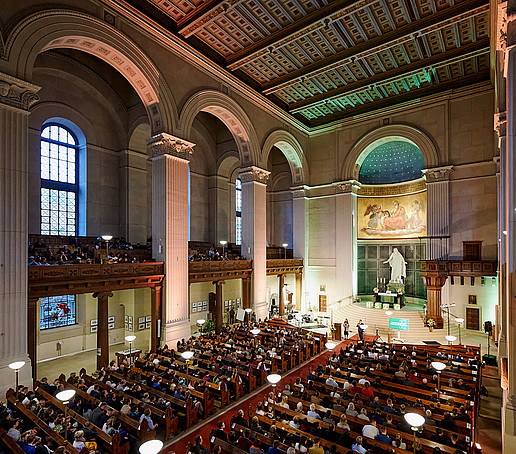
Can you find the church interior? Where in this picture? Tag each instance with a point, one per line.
(257, 226)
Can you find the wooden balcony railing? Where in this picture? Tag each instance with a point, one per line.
(74, 279)
(467, 268)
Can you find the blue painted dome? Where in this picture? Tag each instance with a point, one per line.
(392, 162)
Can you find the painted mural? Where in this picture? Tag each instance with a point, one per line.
(402, 216)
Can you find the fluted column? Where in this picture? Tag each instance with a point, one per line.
(156, 316)
(281, 279)
(346, 239)
(438, 211)
(300, 238)
(254, 227)
(170, 159)
(219, 304)
(16, 98)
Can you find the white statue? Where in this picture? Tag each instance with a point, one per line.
(398, 266)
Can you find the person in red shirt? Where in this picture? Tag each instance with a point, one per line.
(367, 391)
(354, 388)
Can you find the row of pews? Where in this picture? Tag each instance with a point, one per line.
(356, 362)
(205, 386)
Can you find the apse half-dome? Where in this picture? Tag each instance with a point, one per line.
(392, 162)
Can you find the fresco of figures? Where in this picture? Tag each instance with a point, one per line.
(402, 216)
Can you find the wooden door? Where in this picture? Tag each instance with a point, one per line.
(472, 318)
(322, 303)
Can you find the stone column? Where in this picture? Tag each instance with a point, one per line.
(219, 305)
(170, 158)
(133, 195)
(281, 279)
(434, 284)
(438, 211)
(346, 240)
(156, 316)
(254, 246)
(102, 328)
(300, 228)
(16, 98)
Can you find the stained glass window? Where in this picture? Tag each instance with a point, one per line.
(59, 148)
(238, 206)
(56, 311)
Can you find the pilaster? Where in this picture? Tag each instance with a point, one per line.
(438, 212)
(300, 228)
(170, 160)
(346, 239)
(16, 98)
(254, 228)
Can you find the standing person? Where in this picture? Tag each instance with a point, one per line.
(360, 331)
(346, 329)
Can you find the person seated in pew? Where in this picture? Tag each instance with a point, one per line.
(147, 417)
(383, 437)
(389, 408)
(220, 433)
(350, 411)
(357, 446)
(240, 420)
(389, 422)
(378, 417)
(375, 403)
(311, 413)
(439, 437)
(457, 444)
(316, 448)
(244, 441)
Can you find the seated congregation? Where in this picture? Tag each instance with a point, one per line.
(357, 403)
(116, 409)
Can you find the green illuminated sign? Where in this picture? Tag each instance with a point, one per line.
(398, 323)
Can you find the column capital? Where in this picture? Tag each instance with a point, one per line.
(298, 192)
(500, 123)
(253, 173)
(17, 93)
(165, 144)
(437, 174)
(345, 187)
(106, 294)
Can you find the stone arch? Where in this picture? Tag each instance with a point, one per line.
(231, 114)
(58, 28)
(292, 151)
(372, 139)
(227, 165)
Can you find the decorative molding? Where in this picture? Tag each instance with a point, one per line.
(253, 173)
(501, 27)
(397, 189)
(298, 192)
(500, 123)
(438, 174)
(17, 93)
(345, 187)
(496, 160)
(166, 144)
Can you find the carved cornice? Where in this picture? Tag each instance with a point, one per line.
(298, 192)
(389, 190)
(438, 174)
(345, 187)
(17, 93)
(165, 144)
(500, 123)
(501, 27)
(253, 173)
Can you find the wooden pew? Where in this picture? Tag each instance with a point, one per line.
(29, 416)
(109, 443)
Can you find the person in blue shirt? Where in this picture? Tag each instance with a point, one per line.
(382, 436)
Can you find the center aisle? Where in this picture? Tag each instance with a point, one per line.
(179, 446)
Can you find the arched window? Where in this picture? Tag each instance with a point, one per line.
(59, 180)
(238, 207)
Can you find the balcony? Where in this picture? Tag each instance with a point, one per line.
(466, 268)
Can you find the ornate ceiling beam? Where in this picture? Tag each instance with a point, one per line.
(206, 11)
(401, 98)
(400, 35)
(464, 52)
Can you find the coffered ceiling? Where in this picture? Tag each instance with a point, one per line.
(323, 60)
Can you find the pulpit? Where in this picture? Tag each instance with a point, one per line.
(337, 333)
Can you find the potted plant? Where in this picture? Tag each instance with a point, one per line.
(431, 324)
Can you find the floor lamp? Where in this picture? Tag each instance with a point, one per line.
(439, 367)
(16, 366)
(151, 447)
(415, 421)
(65, 397)
(130, 339)
(187, 356)
(274, 379)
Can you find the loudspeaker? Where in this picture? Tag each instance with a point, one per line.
(488, 327)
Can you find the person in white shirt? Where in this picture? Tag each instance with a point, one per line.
(363, 381)
(312, 413)
(370, 430)
(347, 385)
(90, 389)
(330, 381)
